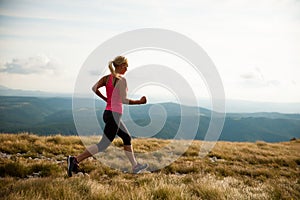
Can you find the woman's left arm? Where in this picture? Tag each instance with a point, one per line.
(122, 84)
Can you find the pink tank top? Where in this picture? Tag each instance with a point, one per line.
(114, 100)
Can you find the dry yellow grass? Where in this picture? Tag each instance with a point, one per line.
(231, 170)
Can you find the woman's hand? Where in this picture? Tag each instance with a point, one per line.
(143, 100)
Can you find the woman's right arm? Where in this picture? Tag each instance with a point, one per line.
(99, 84)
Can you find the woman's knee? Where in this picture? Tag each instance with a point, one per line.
(126, 139)
(104, 143)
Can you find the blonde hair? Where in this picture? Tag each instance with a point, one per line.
(119, 60)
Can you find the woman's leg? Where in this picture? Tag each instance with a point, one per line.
(130, 155)
(87, 153)
(110, 131)
(124, 134)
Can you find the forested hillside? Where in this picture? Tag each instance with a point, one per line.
(48, 116)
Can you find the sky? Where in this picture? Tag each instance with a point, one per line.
(254, 44)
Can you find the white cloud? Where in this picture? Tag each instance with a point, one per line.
(256, 79)
(32, 65)
(256, 75)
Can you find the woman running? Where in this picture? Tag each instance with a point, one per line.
(116, 96)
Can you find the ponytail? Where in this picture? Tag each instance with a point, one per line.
(115, 63)
(112, 70)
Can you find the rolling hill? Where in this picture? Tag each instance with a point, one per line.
(48, 116)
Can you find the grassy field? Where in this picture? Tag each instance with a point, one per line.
(33, 167)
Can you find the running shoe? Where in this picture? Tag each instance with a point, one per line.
(72, 165)
(139, 168)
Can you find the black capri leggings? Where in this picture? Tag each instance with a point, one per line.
(113, 126)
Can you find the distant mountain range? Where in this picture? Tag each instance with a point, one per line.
(232, 106)
(48, 116)
(5, 91)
